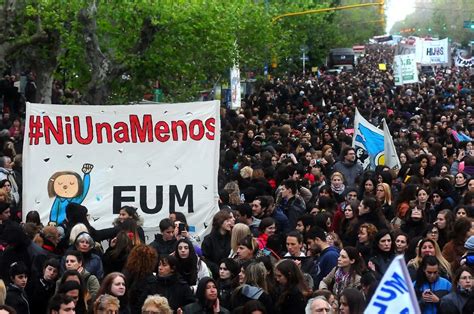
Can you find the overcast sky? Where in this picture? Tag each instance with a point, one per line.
(396, 10)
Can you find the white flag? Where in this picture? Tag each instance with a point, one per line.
(390, 153)
(235, 88)
(395, 292)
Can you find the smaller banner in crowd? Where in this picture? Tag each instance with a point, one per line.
(404, 69)
(235, 88)
(404, 49)
(373, 146)
(395, 292)
(430, 52)
(460, 61)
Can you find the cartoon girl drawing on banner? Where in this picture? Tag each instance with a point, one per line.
(67, 187)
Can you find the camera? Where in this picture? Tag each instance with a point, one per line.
(181, 227)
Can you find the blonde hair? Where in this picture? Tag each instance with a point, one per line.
(387, 193)
(416, 262)
(337, 174)
(246, 172)
(75, 231)
(3, 292)
(239, 231)
(158, 301)
(255, 275)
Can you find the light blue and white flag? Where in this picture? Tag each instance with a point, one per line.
(367, 141)
(395, 292)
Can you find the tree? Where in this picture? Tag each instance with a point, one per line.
(114, 51)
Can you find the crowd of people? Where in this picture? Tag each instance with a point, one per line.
(303, 227)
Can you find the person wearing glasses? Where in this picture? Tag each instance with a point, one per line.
(455, 301)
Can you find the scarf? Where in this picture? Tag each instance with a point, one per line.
(340, 281)
(338, 190)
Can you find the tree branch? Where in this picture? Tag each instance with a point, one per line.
(147, 35)
(10, 40)
(105, 70)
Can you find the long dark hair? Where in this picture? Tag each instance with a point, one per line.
(130, 226)
(201, 292)
(187, 267)
(358, 267)
(123, 245)
(294, 277)
(354, 299)
(421, 279)
(350, 224)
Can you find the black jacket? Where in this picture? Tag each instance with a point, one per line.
(39, 292)
(215, 247)
(175, 290)
(224, 288)
(138, 290)
(17, 299)
(371, 218)
(197, 308)
(163, 247)
(291, 303)
(246, 293)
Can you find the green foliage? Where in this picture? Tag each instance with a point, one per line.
(196, 43)
(323, 31)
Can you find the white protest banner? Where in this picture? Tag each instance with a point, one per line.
(368, 142)
(235, 88)
(395, 292)
(159, 158)
(460, 61)
(433, 51)
(390, 153)
(404, 49)
(404, 69)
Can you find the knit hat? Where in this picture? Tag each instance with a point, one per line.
(469, 244)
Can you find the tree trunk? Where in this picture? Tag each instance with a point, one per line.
(104, 69)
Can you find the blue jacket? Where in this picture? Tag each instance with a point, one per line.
(282, 222)
(440, 287)
(324, 264)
